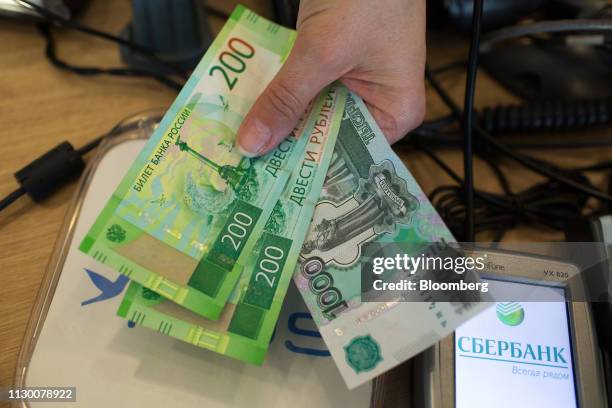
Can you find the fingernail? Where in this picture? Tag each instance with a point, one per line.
(255, 136)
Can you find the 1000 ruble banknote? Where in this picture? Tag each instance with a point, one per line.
(370, 197)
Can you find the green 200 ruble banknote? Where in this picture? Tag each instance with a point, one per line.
(183, 214)
(246, 325)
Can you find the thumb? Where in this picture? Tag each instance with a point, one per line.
(277, 110)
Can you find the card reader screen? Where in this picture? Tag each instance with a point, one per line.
(516, 354)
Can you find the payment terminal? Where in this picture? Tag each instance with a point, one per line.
(518, 353)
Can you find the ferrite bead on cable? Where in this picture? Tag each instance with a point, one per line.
(49, 172)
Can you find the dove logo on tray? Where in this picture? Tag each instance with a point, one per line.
(108, 289)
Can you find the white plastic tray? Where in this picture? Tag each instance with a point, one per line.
(76, 339)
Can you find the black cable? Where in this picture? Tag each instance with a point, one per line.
(536, 116)
(549, 204)
(51, 54)
(515, 120)
(216, 12)
(46, 174)
(66, 23)
(449, 66)
(438, 139)
(580, 144)
(525, 160)
(504, 183)
(458, 180)
(91, 145)
(546, 115)
(11, 198)
(468, 118)
(437, 123)
(601, 166)
(118, 128)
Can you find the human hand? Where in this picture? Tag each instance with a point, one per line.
(375, 48)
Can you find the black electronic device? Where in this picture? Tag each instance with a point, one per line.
(65, 8)
(529, 354)
(546, 35)
(532, 71)
(286, 12)
(177, 31)
(496, 13)
(599, 229)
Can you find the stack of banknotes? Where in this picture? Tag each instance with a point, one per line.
(211, 239)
